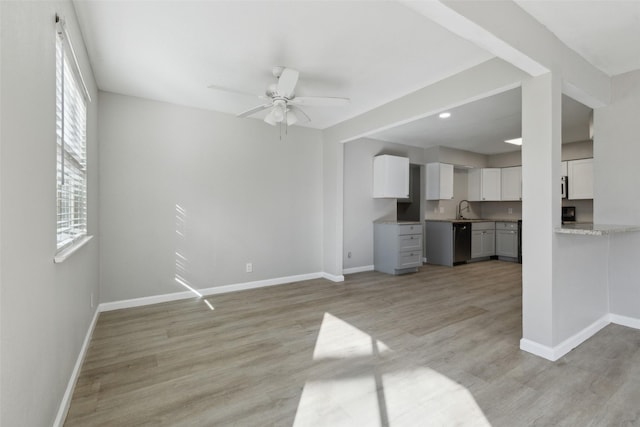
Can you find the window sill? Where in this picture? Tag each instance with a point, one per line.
(68, 251)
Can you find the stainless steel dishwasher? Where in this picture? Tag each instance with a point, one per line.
(461, 242)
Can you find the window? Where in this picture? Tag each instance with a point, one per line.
(71, 125)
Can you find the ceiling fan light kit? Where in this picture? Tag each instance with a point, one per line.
(283, 103)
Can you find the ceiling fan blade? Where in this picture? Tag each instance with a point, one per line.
(254, 110)
(319, 101)
(232, 91)
(287, 82)
(301, 114)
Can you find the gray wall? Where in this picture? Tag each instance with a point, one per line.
(360, 208)
(46, 307)
(192, 195)
(505, 160)
(577, 150)
(616, 154)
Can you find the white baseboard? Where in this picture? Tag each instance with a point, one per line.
(139, 302)
(357, 269)
(630, 322)
(575, 340)
(71, 385)
(537, 349)
(555, 353)
(259, 284)
(333, 277)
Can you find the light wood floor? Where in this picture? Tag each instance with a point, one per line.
(435, 348)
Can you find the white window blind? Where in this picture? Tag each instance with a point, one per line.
(71, 125)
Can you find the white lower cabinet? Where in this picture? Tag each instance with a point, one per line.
(483, 239)
(507, 239)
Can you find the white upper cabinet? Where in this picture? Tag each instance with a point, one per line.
(511, 183)
(390, 177)
(580, 173)
(484, 184)
(439, 181)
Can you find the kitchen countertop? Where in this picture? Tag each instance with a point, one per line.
(474, 220)
(393, 221)
(595, 229)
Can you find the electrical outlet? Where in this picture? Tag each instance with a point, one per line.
(510, 210)
(249, 267)
(349, 255)
(441, 209)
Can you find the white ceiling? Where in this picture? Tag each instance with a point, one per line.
(369, 51)
(483, 126)
(605, 33)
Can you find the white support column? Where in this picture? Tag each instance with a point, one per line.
(541, 156)
(333, 175)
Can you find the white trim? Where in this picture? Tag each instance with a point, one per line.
(575, 340)
(73, 379)
(155, 299)
(555, 353)
(333, 277)
(630, 322)
(537, 349)
(357, 269)
(70, 250)
(139, 302)
(259, 284)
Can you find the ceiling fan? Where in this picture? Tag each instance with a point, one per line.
(284, 104)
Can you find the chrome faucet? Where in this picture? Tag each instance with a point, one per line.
(460, 208)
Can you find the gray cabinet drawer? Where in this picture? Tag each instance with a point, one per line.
(409, 229)
(475, 226)
(506, 226)
(409, 259)
(410, 242)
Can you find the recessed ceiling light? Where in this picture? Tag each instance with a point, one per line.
(445, 115)
(515, 141)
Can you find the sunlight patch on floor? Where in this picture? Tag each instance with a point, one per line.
(422, 396)
(342, 402)
(339, 339)
(366, 391)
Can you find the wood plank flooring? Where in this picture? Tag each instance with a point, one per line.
(435, 348)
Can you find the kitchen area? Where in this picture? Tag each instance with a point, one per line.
(454, 170)
(472, 209)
